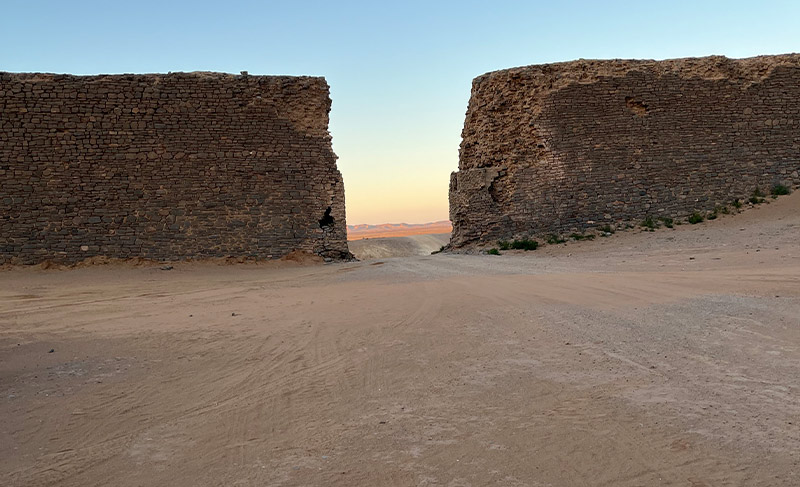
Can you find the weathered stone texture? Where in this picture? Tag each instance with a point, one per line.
(183, 165)
(571, 146)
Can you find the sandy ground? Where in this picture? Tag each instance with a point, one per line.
(666, 358)
(386, 247)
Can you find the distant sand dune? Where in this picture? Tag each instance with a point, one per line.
(357, 232)
(382, 248)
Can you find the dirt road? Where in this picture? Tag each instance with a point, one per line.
(386, 247)
(666, 358)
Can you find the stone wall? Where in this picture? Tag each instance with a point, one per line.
(183, 165)
(572, 146)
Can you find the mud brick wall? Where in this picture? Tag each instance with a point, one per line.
(184, 165)
(573, 146)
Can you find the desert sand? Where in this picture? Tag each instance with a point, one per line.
(665, 358)
(386, 247)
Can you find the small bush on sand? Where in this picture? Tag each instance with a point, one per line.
(695, 218)
(737, 203)
(757, 197)
(525, 244)
(493, 252)
(667, 221)
(504, 244)
(554, 239)
(649, 223)
(580, 236)
(718, 210)
(780, 190)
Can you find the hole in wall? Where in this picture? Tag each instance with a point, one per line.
(636, 107)
(493, 192)
(327, 220)
(495, 187)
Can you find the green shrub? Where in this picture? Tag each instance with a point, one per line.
(667, 221)
(578, 236)
(695, 218)
(780, 190)
(757, 197)
(554, 239)
(649, 223)
(504, 244)
(525, 244)
(737, 203)
(493, 252)
(607, 229)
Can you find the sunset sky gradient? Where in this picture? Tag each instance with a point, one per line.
(399, 72)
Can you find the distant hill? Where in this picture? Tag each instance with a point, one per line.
(358, 232)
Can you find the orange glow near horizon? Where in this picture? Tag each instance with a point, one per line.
(397, 230)
(396, 181)
(384, 202)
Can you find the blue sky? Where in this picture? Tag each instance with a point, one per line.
(399, 72)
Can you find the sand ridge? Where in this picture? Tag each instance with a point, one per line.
(407, 246)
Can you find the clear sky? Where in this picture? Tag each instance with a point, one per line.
(399, 72)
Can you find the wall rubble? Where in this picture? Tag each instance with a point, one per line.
(568, 147)
(166, 167)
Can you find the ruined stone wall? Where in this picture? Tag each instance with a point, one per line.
(571, 146)
(183, 165)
